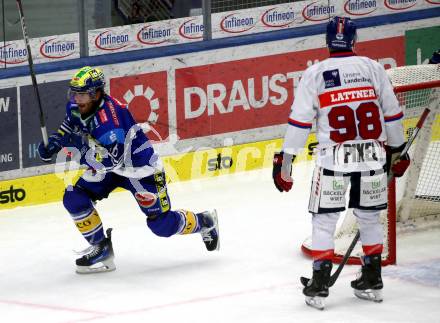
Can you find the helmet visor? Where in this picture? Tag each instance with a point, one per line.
(72, 93)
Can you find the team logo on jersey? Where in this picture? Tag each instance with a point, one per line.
(145, 199)
(338, 185)
(331, 78)
(375, 184)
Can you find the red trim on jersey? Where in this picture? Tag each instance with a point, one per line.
(102, 116)
(340, 25)
(113, 113)
(346, 96)
(299, 124)
(342, 54)
(394, 117)
(323, 254)
(373, 249)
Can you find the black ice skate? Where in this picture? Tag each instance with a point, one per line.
(369, 284)
(99, 257)
(209, 229)
(317, 287)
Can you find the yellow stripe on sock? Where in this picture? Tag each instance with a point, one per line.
(191, 222)
(90, 223)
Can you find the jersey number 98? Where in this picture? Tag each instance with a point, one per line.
(343, 117)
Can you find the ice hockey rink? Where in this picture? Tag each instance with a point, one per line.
(253, 278)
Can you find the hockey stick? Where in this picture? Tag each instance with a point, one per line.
(31, 68)
(353, 243)
(410, 141)
(336, 274)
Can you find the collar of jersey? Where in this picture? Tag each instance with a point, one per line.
(86, 120)
(342, 54)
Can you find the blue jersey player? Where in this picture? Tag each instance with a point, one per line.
(117, 154)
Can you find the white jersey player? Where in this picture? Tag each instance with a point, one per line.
(358, 125)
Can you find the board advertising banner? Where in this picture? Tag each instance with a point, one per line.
(54, 98)
(244, 22)
(9, 132)
(147, 99)
(254, 93)
(44, 50)
(56, 48)
(421, 43)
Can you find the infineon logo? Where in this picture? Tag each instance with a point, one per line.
(400, 4)
(12, 54)
(316, 11)
(111, 41)
(360, 7)
(277, 19)
(191, 30)
(152, 36)
(57, 49)
(235, 24)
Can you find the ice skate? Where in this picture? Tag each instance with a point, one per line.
(368, 285)
(209, 229)
(374, 295)
(98, 259)
(316, 302)
(316, 289)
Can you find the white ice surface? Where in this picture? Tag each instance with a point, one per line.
(253, 278)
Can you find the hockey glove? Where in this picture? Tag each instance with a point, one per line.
(53, 146)
(282, 171)
(396, 164)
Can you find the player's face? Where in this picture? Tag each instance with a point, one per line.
(84, 101)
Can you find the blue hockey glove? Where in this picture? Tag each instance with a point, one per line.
(53, 146)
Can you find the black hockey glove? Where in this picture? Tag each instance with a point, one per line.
(396, 164)
(282, 171)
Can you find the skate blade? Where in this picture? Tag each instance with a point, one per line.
(316, 302)
(99, 267)
(374, 295)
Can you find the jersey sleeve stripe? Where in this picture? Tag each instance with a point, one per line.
(65, 128)
(394, 117)
(299, 124)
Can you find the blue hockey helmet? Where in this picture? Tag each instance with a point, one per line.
(435, 58)
(341, 33)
